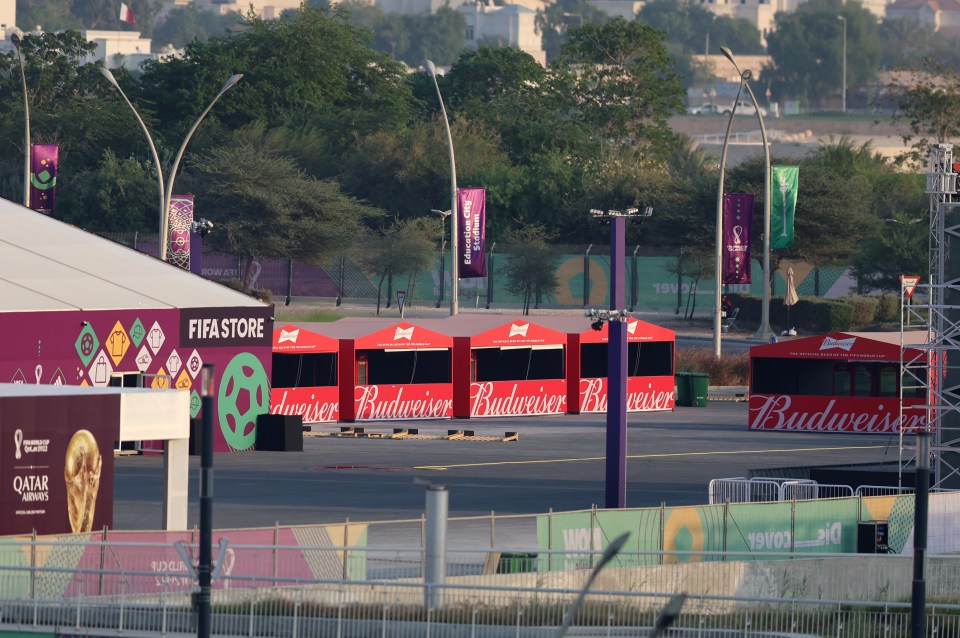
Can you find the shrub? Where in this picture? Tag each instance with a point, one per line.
(864, 309)
(888, 309)
(731, 369)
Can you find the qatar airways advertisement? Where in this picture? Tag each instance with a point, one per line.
(868, 415)
(518, 398)
(644, 394)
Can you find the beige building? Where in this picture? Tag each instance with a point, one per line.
(266, 9)
(503, 26)
(119, 48)
(941, 15)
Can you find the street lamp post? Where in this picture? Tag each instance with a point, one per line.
(166, 193)
(26, 121)
(764, 332)
(843, 95)
(718, 266)
(443, 244)
(165, 213)
(454, 267)
(156, 158)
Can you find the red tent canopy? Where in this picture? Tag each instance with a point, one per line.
(637, 330)
(849, 346)
(302, 337)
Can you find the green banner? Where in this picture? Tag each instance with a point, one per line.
(784, 182)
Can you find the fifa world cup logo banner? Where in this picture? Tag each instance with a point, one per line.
(737, 226)
(472, 216)
(180, 221)
(43, 177)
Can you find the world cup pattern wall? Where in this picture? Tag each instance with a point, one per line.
(157, 348)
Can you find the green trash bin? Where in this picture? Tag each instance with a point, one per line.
(517, 563)
(698, 389)
(684, 390)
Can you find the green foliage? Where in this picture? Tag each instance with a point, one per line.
(823, 315)
(404, 247)
(864, 309)
(110, 196)
(186, 24)
(690, 25)
(731, 369)
(888, 309)
(807, 51)
(929, 101)
(412, 37)
(263, 204)
(559, 19)
(531, 266)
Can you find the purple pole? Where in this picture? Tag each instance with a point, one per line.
(617, 372)
(196, 253)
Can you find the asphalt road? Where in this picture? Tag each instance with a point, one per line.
(557, 463)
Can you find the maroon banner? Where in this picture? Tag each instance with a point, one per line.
(472, 208)
(868, 415)
(56, 469)
(644, 394)
(737, 225)
(43, 177)
(179, 223)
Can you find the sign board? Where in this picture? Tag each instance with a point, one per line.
(401, 297)
(909, 284)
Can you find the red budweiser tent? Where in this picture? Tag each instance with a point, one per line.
(650, 364)
(391, 369)
(504, 366)
(304, 379)
(840, 382)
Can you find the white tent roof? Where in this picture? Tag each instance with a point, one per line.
(46, 264)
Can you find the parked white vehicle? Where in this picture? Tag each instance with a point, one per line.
(745, 107)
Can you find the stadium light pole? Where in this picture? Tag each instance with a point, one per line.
(843, 95)
(15, 39)
(156, 159)
(454, 269)
(165, 214)
(718, 266)
(764, 332)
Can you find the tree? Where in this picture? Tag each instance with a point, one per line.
(309, 67)
(411, 37)
(186, 24)
(930, 103)
(264, 205)
(402, 248)
(693, 26)
(51, 15)
(807, 51)
(624, 84)
(531, 267)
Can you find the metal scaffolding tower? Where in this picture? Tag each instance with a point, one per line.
(936, 308)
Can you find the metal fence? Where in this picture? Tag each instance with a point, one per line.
(266, 593)
(770, 489)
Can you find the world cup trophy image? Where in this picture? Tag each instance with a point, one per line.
(81, 471)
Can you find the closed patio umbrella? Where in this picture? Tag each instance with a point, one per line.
(790, 298)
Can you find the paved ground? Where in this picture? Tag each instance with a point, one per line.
(558, 463)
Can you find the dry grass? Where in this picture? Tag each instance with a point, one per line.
(731, 369)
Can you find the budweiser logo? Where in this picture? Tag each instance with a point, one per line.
(593, 397)
(632, 327)
(288, 335)
(490, 400)
(777, 412)
(372, 404)
(519, 329)
(403, 333)
(842, 344)
(310, 408)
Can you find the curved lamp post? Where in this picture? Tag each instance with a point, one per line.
(718, 266)
(156, 159)
(26, 121)
(454, 267)
(764, 332)
(166, 194)
(233, 79)
(843, 94)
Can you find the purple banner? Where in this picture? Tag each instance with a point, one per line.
(737, 226)
(43, 177)
(179, 223)
(472, 208)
